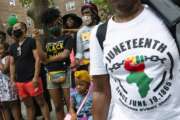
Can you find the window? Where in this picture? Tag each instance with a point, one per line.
(87, 1)
(12, 2)
(70, 6)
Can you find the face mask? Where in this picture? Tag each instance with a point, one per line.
(55, 30)
(17, 33)
(87, 20)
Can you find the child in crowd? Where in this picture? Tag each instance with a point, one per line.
(8, 93)
(77, 97)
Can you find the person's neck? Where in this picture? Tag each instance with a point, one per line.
(84, 93)
(21, 40)
(129, 16)
(91, 25)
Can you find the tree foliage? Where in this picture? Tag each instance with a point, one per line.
(102, 4)
(35, 9)
(27, 3)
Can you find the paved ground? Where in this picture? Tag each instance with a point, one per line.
(53, 117)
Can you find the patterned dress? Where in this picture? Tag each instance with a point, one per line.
(7, 90)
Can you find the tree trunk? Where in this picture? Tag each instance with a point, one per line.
(36, 10)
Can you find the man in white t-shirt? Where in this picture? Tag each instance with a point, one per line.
(141, 58)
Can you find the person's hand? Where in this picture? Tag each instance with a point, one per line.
(35, 82)
(46, 60)
(73, 65)
(134, 64)
(36, 34)
(73, 117)
(13, 83)
(77, 62)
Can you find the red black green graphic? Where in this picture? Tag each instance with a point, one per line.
(135, 65)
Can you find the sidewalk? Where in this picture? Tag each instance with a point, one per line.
(53, 116)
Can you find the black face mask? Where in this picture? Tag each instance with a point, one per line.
(55, 30)
(17, 33)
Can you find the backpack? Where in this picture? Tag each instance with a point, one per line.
(168, 10)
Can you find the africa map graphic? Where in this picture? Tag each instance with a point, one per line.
(135, 65)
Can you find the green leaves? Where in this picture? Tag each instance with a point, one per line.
(102, 4)
(27, 3)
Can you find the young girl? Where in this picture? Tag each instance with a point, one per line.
(82, 87)
(8, 94)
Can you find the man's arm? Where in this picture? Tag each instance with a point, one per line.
(101, 82)
(37, 65)
(101, 97)
(12, 69)
(37, 37)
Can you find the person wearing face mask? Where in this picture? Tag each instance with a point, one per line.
(24, 71)
(125, 71)
(90, 19)
(56, 50)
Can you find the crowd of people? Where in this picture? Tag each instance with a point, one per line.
(125, 66)
(51, 66)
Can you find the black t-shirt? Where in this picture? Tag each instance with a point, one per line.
(54, 46)
(74, 36)
(24, 59)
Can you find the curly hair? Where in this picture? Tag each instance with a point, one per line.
(50, 15)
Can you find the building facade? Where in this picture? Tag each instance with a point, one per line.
(8, 8)
(71, 6)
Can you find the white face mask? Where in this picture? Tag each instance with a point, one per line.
(87, 20)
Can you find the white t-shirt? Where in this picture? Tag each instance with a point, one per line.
(143, 62)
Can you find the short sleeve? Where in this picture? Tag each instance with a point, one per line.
(97, 66)
(32, 43)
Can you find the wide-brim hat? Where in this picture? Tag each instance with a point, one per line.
(76, 18)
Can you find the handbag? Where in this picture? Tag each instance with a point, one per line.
(57, 76)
